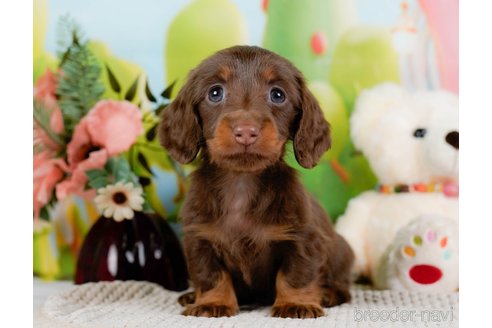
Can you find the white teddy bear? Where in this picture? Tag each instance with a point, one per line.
(405, 233)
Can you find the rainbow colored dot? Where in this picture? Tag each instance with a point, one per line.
(431, 237)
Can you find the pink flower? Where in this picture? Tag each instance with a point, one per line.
(75, 184)
(115, 125)
(110, 128)
(82, 155)
(45, 87)
(47, 172)
(45, 93)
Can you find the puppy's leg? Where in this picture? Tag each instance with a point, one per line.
(214, 292)
(336, 274)
(187, 298)
(335, 294)
(291, 302)
(220, 301)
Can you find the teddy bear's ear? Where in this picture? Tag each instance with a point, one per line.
(369, 108)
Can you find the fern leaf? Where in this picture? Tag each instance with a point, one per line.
(79, 86)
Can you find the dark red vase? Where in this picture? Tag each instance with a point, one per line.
(143, 248)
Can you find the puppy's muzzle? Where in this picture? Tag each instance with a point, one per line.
(245, 133)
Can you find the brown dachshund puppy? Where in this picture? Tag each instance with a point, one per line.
(252, 234)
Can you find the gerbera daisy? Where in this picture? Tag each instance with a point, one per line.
(119, 201)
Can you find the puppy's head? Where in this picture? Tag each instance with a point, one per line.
(241, 106)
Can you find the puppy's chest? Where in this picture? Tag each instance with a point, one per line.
(236, 222)
(241, 238)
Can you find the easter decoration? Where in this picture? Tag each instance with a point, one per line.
(99, 152)
(404, 233)
(310, 42)
(339, 58)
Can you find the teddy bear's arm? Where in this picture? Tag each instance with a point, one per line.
(353, 227)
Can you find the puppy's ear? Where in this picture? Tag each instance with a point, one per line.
(312, 137)
(179, 129)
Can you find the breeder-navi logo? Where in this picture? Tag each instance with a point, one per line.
(403, 315)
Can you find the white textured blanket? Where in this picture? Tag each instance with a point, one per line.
(143, 304)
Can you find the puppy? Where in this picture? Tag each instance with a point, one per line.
(252, 234)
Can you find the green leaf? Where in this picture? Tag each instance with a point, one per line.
(110, 165)
(130, 94)
(94, 174)
(166, 94)
(149, 94)
(144, 181)
(113, 81)
(79, 86)
(97, 178)
(146, 206)
(142, 160)
(122, 171)
(159, 109)
(75, 38)
(98, 183)
(64, 57)
(44, 213)
(151, 134)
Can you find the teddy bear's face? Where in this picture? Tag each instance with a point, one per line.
(407, 137)
(442, 139)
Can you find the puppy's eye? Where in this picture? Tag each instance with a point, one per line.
(419, 133)
(216, 94)
(277, 96)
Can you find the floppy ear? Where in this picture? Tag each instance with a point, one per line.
(179, 129)
(312, 137)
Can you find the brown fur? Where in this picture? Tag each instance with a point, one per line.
(252, 234)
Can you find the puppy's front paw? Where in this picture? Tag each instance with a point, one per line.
(335, 296)
(302, 311)
(187, 298)
(210, 310)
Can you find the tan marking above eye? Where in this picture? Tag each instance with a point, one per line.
(225, 73)
(268, 74)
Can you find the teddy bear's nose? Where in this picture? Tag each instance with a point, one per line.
(453, 138)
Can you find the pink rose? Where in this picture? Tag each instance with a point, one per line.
(45, 93)
(114, 125)
(75, 184)
(45, 87)
(110, 128)
(82, 155)
(47, 171)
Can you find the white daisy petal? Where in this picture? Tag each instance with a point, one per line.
(100, 199)
(137, 191)
(127, 212)
(135, 201)
(108, 212)
(136, 206)
(118, 214)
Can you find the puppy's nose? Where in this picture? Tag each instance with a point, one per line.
(453, 138)
(246, 134)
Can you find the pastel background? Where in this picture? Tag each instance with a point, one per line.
(136, 30)
(342, 47)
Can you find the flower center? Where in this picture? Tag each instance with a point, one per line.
(119, 198)
(89, 150)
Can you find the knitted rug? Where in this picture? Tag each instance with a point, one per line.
(144, 304)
